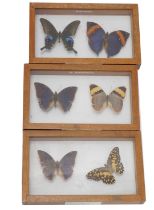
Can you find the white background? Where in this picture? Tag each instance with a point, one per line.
(97, 153)
(81, 110)
(14, 53)
(108, 22)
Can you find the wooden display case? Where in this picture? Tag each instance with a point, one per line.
(114, 76)
(111, 17)
(34, 194)
(109, 137)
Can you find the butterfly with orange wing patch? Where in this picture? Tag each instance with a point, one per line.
(112, 42)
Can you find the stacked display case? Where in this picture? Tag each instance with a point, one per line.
(81, 126)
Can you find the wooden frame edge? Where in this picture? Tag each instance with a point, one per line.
(25, 168)
(140, 167)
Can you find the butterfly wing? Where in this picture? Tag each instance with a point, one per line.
(51, 33)
(67, 34)
(66, 97)
(114, 161)
(115, 98)
(67, 163)
(115, 41)
(96, 36)
(48, 164)
(101, 174)
(45, 96)
(99, 98)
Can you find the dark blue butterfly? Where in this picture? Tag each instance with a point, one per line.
(112, 42)
(47, 99)
(52, 35)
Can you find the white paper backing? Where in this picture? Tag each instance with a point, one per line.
(81, 110)
(90, 155)
(109, 23)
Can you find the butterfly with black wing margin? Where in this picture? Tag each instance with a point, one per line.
(50, 167)
(113, 165)
(52, 35)
(47, 99)
(112, 42)
(101, 100)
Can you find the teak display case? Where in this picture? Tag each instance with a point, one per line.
(81, 115)
(83, 139)
(129, 142)
(110, 17)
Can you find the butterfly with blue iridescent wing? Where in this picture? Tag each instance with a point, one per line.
(52, 35)
(112, 42)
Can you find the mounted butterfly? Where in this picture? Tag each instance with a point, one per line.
(47, 99)
(113, 165)
(51, 167)
(100, 100)
(99, 39)
(52, 35)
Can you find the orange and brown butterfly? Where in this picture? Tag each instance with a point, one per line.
(100, 99)
(105, 173)
(112, 42)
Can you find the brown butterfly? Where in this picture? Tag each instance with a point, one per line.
(100, 100)
(113, 165)
(63, 167)
(47, 99)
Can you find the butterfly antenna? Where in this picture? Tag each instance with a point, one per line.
(43, 48)
(74, 51)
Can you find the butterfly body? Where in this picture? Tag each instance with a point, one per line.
(50, 167)
(101, 100)
(105, 173)
(99, 39)
(47, 99)
(66, 36)
(55, 99)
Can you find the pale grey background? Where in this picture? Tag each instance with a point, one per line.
(81, 110)
(109, 23)
(90, 155)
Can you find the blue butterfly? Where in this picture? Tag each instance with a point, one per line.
(47, 99)
(112, 42)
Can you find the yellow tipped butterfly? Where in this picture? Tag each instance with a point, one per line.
(51, 167)
(52, 35)
(100, 100)
(112, 42)
(47, 99)
(113, 165)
